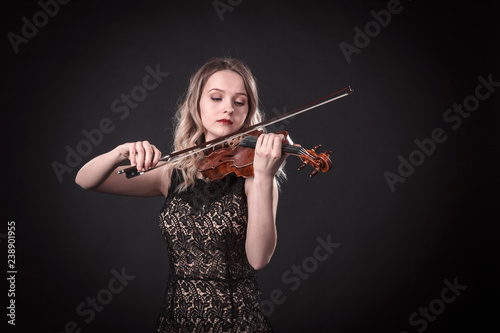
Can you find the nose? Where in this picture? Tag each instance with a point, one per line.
(229, 109)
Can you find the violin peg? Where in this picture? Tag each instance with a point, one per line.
(313, 173)
(316, 148)
(302, 166)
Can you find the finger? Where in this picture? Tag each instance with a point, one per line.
(260, 138)
(157, 156)
(149, 154)
(277, 138)
(270, 141)
(277, 142)
(259, 144)
(271, 146)
(131, 154)
(140, 156)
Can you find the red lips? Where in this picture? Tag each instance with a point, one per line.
(225, 121)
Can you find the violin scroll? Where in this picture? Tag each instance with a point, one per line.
(320, 162)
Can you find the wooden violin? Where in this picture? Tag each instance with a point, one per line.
(237, 156)
(242, 142)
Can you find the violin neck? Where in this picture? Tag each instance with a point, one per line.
(250, 141)
(289, 149)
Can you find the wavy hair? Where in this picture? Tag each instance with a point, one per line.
(188, 127)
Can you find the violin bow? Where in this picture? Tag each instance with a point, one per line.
(132, 171)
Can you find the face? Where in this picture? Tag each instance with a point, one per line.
(223, 104)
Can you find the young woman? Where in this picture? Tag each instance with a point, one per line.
(218, 234)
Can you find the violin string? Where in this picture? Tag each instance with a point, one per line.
(298, 151)
(303, 151)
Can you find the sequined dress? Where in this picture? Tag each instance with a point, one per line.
(211, 286)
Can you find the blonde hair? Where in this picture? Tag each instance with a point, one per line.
(188, 127)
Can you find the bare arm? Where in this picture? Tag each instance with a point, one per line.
(100, 174)
(262, 196)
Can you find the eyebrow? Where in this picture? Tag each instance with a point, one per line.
(217, 89)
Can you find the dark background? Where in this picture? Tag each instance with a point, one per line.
(396, 248)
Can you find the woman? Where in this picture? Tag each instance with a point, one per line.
(218, 234)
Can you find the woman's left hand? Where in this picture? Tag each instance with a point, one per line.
(268, 156)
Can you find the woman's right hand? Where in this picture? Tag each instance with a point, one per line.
(101, 173)
(142, 154)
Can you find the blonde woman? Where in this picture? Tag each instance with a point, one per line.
(218, 234)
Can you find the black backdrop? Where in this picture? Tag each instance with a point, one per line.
(400, 256)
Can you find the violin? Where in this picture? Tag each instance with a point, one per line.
(237, 156)
(234, 152)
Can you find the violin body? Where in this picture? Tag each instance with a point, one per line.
(224, 161)
(231, 158)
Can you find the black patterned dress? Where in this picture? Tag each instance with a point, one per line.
(211, 287)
